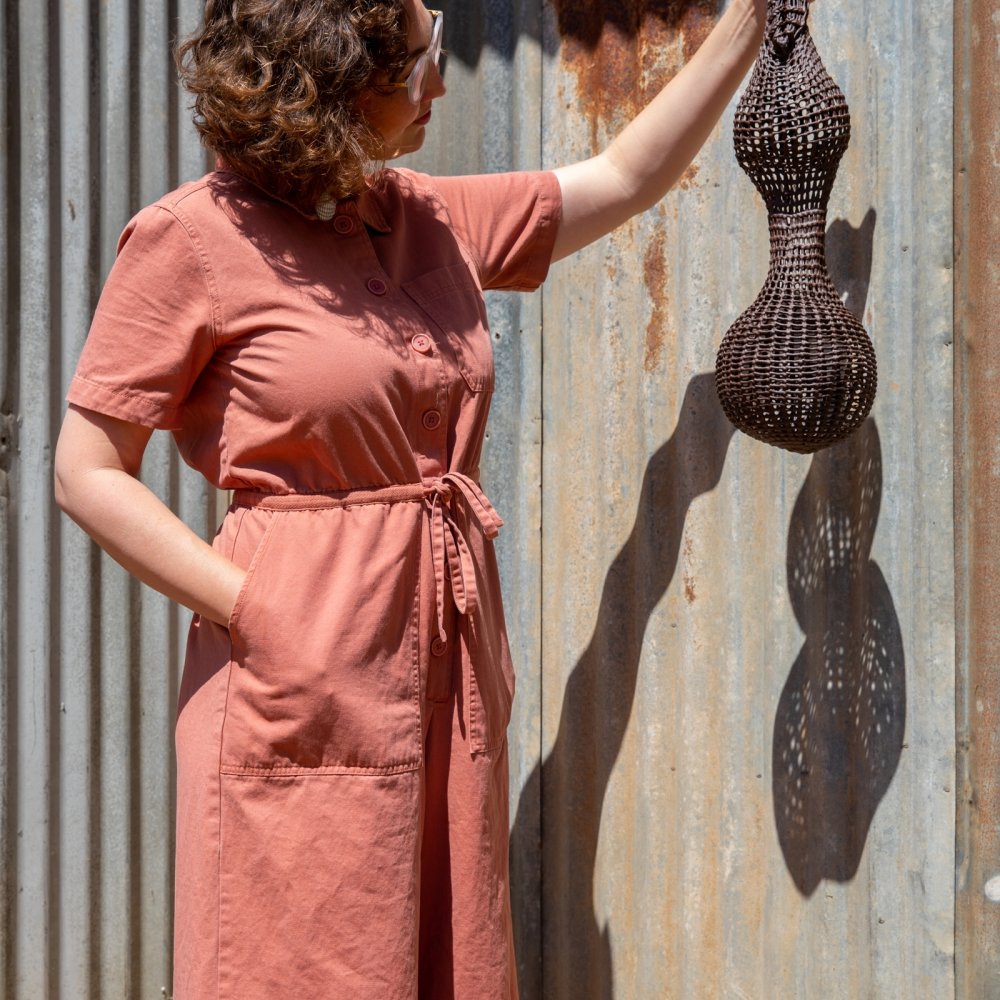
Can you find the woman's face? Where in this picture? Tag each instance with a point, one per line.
(400, 123)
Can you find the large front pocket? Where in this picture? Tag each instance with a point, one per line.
(324, 635)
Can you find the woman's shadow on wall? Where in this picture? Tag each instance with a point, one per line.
(839, 721)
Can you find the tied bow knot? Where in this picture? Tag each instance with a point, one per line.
(449, 548)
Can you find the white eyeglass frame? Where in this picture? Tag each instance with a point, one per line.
(416, 78)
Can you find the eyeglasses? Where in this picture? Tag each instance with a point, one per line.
(416, 79)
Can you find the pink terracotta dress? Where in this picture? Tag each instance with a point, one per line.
(342, 764)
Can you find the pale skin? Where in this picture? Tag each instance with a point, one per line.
(98, 457)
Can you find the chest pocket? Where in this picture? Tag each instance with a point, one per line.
(453, 300)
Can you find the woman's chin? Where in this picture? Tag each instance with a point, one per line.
(409, 143)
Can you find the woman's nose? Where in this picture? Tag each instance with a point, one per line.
(435, 81)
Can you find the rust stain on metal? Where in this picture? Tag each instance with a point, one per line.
(687, 178)
(689, 591)
(622, 52)
(698, 21)
(655, 274)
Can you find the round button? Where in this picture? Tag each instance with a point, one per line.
(438, 646)
(343, 224)
(422, 343)
(377, 286)
(432, 420)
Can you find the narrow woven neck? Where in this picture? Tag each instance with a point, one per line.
(798, 245)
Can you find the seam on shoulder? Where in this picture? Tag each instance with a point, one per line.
(206, 268)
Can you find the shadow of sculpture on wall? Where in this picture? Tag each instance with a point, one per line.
(597, 705)
(838, 729)
(840, 720)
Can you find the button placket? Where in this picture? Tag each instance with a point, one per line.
(366, 256)
(432, 418)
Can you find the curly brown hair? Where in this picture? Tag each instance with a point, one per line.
(276, 84)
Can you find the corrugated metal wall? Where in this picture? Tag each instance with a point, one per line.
(93, 128)
(733, 748)
(748, 656)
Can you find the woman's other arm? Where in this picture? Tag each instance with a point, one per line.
(652, 152)
(96, 483)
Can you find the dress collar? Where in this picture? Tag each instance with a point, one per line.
(368, 208)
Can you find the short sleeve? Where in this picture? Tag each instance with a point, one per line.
(508, 222)
(154, 328)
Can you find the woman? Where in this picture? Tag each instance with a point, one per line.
(314, 335)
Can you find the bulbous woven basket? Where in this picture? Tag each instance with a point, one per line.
(796, 369)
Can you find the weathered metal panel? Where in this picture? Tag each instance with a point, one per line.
(977, 495)
(747, 771)
(91, 130)
(32, 697)
(8, 426)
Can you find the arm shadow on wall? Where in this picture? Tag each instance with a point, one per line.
(572, 781)
(840, 719)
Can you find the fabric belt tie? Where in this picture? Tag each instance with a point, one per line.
(449, 548)
(450, 551)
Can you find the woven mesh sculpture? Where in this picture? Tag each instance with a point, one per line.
(796, 369)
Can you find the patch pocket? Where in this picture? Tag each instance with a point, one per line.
(454, 301)
(324, 675)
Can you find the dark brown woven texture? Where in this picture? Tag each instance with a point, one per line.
(796, 369)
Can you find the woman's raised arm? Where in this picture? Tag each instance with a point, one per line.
(652, 152)
(96, 468)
